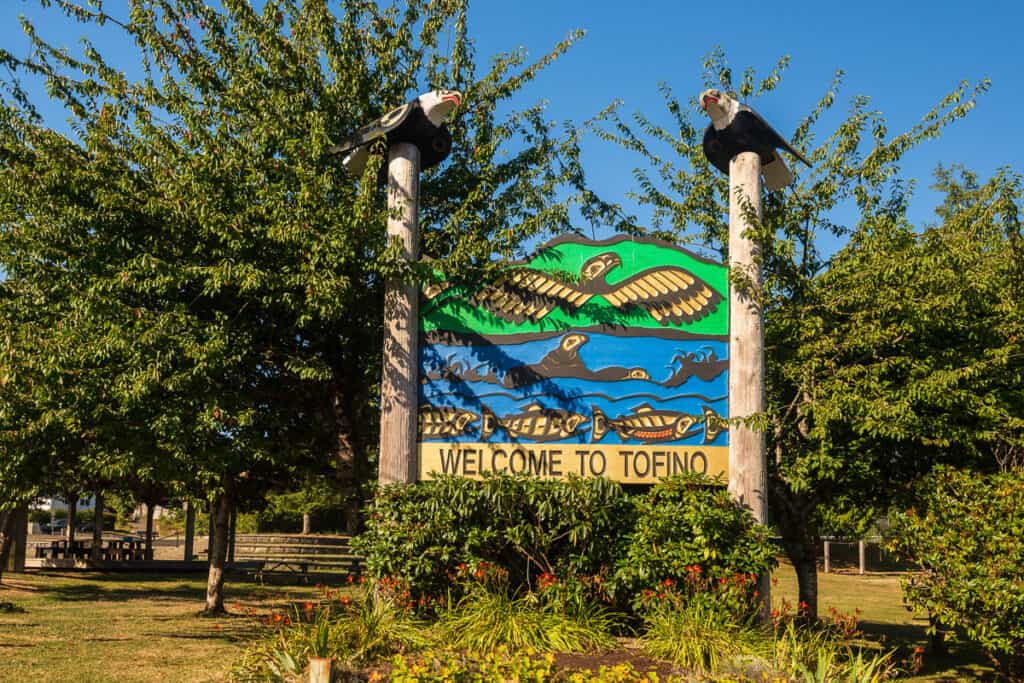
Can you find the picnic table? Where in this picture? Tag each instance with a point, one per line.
(110, 549)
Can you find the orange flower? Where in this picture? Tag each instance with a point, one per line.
(277, 617)
(308, 607)
(344, 600)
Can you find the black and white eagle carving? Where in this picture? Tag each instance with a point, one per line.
(737, 128)
(670, 294)
(420, 122)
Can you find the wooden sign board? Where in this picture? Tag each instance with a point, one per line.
(596, 358)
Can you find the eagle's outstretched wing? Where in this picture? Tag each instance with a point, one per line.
(670, 294)
(527, 294)
(378, 128)
(778, 141)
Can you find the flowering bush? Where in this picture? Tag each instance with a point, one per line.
(530, 527)
(685, 525)
(598, 542)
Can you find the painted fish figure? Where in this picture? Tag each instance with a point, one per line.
(536, 423)
(437, 421)
(714, 424)
(650, 425)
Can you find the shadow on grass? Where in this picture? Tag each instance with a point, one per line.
(238, 632)
(118, 587)
(966, 661)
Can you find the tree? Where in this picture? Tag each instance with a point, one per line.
(966, 541)
(223, 270)
(869, 381)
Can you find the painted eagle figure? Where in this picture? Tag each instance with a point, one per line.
(737, 128)
(420, 122)
(670, 294)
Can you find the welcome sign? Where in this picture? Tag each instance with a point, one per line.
(596, 358)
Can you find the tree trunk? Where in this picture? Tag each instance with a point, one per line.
(149, 531)
(220, 521)
(7, 521)
(96, 552)
(233, 531)
(307, 523)
(69, 531)
(346, 461)
(806, 567)
(800, 545)
(211, 529)
(190, 529)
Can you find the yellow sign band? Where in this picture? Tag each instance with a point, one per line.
(641, 464)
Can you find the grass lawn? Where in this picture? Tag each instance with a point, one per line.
(883, 616)
(93, 628)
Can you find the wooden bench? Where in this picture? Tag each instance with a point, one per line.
(298, 554)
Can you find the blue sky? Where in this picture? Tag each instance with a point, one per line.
(905, 55)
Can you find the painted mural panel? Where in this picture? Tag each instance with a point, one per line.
(599, 358)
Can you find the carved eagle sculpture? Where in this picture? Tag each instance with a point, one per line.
(736, 128)
(668, 293)
(420, 122)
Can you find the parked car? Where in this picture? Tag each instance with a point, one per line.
(56, 527)
(86, 526)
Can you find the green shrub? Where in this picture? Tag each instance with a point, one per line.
(686, 522)
(967, 541)
(421, 534)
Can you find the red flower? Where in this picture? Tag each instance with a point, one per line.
(344, 600)
(803, 606)
(308, 607)
(667, 583)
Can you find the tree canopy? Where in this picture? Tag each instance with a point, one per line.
(193, 290)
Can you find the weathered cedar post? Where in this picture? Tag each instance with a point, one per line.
(747, 476)
(398, 390)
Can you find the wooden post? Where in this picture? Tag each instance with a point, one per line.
(398, 389)
(828, 563)
(747, 475)
(190, 530)
(320, 669)
(860, 554)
